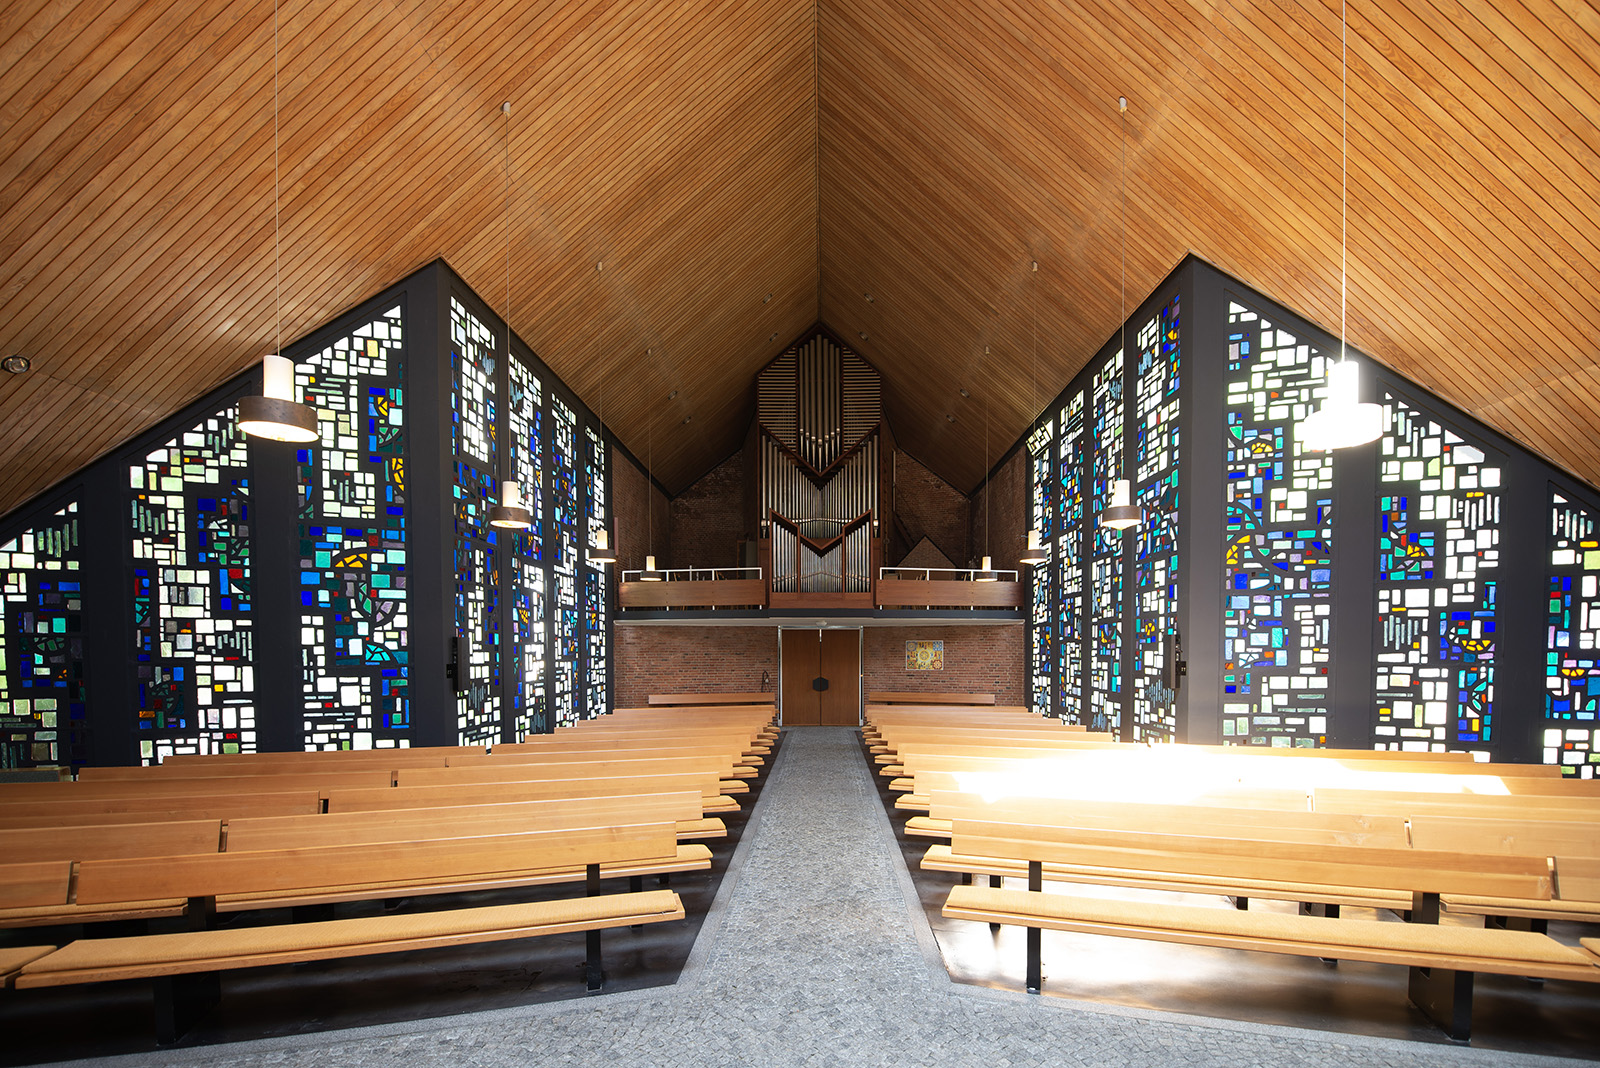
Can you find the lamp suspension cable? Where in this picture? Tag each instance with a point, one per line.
(511, 513)
(275, 414)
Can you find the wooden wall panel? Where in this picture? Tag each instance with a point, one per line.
(712, 152)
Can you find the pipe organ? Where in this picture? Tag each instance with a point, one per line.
(819, 436)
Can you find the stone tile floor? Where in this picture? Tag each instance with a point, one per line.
(817, 952)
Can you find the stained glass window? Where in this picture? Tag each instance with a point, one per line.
(354, 624)
(1277, 566)
(595, 608)
(192, 628)
(1106, 550)
(1069, 571)
(477, 564)
(564, 575)
(41, 643)
(1438, 550)
(1156, 550)
(527, 665)
(1042, 519)
(1571, 733)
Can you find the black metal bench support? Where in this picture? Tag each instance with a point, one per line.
(1035, 965)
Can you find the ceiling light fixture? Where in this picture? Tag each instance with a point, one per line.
(650, 572)
(1034, 552)
(16, 364)
(600, 551)
(511, 513)
(1343, 421)
(275, 414)
(986, 573)
(1122, 513)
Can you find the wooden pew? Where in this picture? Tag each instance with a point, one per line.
(531, 789)
(165, 957)
(643, 738)
(141, 809)
(431, 825)
(903, 697)
(700, 699)
(155, 785)
(732, 763)
(709, 767)
(1442, 959)
(472, 812)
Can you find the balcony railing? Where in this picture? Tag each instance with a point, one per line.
(946, 587)
(695, 587)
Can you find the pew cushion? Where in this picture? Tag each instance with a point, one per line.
(101, 959)
(14, 958)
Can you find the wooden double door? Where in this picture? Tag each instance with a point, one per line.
(821, 673)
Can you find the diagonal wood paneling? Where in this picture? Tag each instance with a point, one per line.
(707, 153)
(958, 143)
(674, 144)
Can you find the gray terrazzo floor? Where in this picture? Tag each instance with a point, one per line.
(817, 953)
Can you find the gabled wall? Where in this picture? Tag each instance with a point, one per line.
(200, 591)
(1430, 590)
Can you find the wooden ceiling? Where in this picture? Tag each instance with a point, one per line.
(674, 164)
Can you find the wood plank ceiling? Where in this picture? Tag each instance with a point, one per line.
(707, 153)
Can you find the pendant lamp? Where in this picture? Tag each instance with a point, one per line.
(276, 414)
(1122, 513)
(986, 573)
(600, 548)
(1034, 553)
(510, 513)
(600, 552)
(650, 573)
(1343, 421)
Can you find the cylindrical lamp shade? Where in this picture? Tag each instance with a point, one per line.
(986, 573)
(510, 514)
(275, 414)
(1121, 514)
(1035, 552)
(277, 374)
(1343, 421)
(600, 552)
(650, 574)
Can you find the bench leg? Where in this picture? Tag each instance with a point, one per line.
(594, 974)
(181, 1000)
(1445, 997)
(311, 913)
(1518, 923)
(995, 882)
(1242, 904)
(1035, 981)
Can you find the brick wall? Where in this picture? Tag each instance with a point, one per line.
(681, 659)
(976, 660)
(1006, 498)
(708, 518)
(928, 506)
(629, 492)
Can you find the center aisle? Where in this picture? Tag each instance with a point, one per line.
(817, 953)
